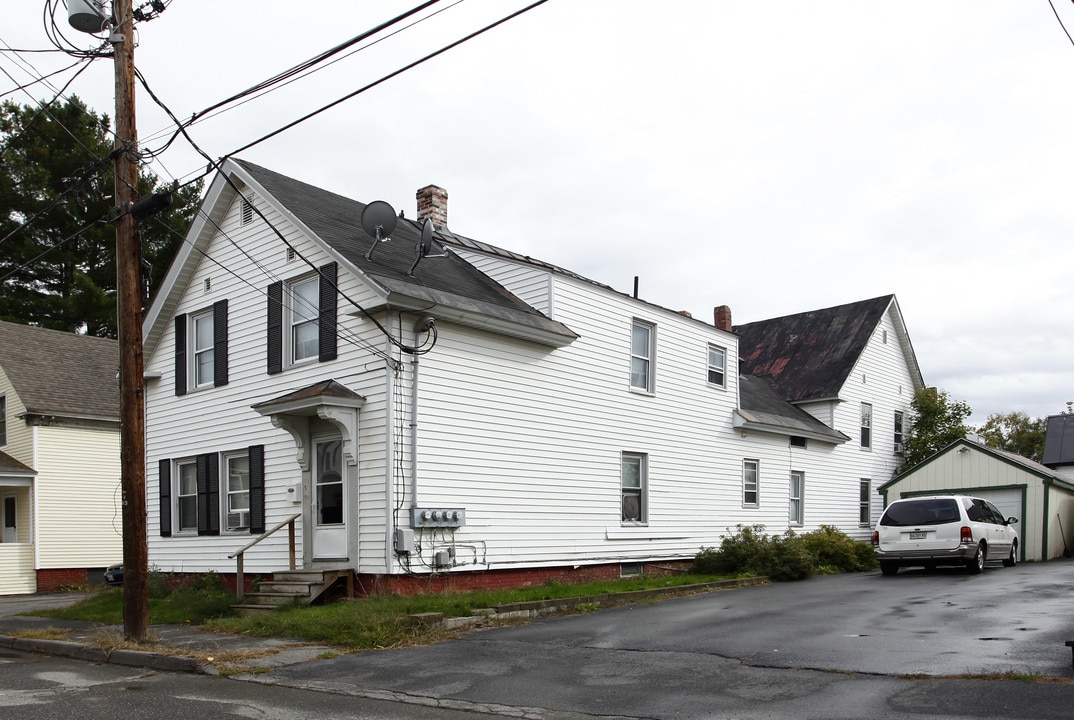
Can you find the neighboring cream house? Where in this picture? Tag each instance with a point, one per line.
(431, 406)
(59, 458)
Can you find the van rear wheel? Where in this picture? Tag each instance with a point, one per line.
(889, 568)
(976, 565)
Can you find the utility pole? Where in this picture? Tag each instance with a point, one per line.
(129, 316)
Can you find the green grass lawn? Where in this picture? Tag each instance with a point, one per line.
(365, 623)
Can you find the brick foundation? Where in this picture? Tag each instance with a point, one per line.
(56, 578)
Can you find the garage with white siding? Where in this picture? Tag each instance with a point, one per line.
(1041, 499)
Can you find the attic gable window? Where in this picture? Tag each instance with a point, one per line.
(866, 426)
(642, 351)
(302, 319)
(717, 365)
(201, 349)
(303, 310)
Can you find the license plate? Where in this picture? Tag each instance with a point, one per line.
(918, 535)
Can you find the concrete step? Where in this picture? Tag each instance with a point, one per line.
(275, 599)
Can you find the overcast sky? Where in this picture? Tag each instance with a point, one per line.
(776, 156)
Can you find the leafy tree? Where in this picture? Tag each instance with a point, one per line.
(1015, 432)
(937, 422)
(59, 271)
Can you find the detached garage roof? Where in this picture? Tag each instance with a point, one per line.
(1010, 458)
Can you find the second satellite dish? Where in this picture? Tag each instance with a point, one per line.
(378, 219)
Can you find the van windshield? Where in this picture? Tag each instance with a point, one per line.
(936, 511)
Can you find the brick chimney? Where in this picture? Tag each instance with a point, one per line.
(721, 317)
(432, 204)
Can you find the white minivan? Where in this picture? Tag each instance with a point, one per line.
(943, 530)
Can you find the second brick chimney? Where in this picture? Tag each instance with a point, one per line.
(432, 204)
(721, 317)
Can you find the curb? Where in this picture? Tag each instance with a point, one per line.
(131, 658)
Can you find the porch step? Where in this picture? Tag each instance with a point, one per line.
(289, 587)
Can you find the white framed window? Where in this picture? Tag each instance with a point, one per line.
(237, 506)
(303, 313)
(795, 513)
(899, 439)
(3, 420)
(864, 502)
(751, 490)
(642, 351)
(203, 349)
(633, 485)
(186, 496)
(717, 366)
(866, 426)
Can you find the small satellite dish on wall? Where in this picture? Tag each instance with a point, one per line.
(425, 245)
(378, 219)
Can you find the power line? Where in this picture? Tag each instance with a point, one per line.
(1056, 13)
(389, 76)
(214, 164)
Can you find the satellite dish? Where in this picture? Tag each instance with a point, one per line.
(425, 245)
(426, 237)
(378, 219)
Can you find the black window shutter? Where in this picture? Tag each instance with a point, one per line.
(208, 469)
(220, 343)
(165, 480)
(326, 334)
(275, 328)
(256, 455)
(180, 354)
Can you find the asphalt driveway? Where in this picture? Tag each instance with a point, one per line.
(769, 646)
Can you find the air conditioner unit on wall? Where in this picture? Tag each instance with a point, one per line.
(900, 449)
(238, 520)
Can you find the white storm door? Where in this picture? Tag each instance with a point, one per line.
(11, 532)
(329, 504)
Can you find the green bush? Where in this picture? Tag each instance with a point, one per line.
(748, 549)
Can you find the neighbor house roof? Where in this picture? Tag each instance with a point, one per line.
(1059, 441)
(809, 356)
(61, 374)
(11, 467)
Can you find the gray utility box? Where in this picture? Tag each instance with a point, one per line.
(437, 517)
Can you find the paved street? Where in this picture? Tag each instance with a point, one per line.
(919, 645)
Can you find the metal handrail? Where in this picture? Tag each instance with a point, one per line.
(240, 580)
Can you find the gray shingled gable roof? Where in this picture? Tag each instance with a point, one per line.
(449, 280)
(762, 407)
(809, 356)
(61, 374)
(1059, 441)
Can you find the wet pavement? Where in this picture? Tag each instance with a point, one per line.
(921, 645)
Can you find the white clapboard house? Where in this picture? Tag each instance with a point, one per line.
(473, 416)
(59, 458)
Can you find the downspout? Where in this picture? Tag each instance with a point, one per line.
(422, 326)
(389, 451)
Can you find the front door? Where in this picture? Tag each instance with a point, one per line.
(329, 503)
(11, 531)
